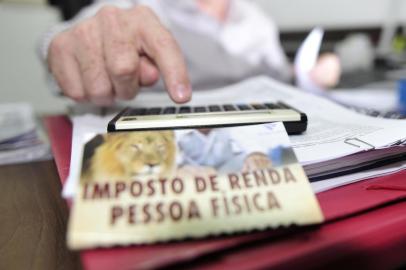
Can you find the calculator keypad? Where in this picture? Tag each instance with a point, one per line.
(206, 109)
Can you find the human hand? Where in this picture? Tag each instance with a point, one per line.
(327, 71)
(112, 54)
(256, 161)
(217, 9)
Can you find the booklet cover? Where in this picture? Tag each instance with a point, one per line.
(151, 186)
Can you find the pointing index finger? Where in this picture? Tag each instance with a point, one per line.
(159, 45)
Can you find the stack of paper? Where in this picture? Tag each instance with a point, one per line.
(339, 142)
(339, 146)
(20, 139)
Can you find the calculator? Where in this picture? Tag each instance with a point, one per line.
(176, 117)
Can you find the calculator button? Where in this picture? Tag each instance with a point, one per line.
(271, 106)
(229, 107)
(215, 108)
(137, 111)
(244, 107)
(199, 109)
(185, 109)
(169, 110)
(374, 113)
(283, 106)
(153, 111)
(259, 106)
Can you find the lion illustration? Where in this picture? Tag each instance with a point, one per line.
(123, 156)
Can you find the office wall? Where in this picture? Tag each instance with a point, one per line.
(333, 14)
(22, 76)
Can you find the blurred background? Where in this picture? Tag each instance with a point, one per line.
(378, 26)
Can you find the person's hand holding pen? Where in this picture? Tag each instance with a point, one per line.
(112, 54)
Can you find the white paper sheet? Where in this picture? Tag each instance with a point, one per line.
(84, 127)
(306, 59)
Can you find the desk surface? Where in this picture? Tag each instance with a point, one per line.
(33, 219)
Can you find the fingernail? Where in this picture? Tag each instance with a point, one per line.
(183, 93)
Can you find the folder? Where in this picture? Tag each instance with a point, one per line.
(367, 218)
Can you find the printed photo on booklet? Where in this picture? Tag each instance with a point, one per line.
(152, 186)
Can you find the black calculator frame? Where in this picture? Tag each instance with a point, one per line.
(292, 127)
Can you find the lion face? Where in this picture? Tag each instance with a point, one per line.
(131, 154)
(146, 153)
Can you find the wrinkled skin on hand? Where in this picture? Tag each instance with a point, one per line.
(111, 55)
